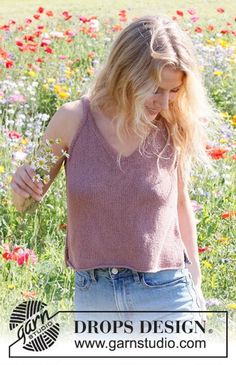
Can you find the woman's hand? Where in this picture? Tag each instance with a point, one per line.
(202, 302)
(23, 186)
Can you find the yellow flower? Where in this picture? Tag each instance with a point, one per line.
(201, 68)
(207, 264)
(224, 240)
(57, 88)
(217, 73)
(69, 73)
(46, 179)
(223, 43)
(64, 95)
(45, 86)
(24, 141)
(223, 140)
(231, 306)
(209, 315)
(32, 73)
(224, 115)
(90, 71)
(2, 169)
(50, 80)
(233, 122)
(209, 41)
(11, 286)
(58, 140)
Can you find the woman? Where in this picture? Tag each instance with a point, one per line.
(132, 140)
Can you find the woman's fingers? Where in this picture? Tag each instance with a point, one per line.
(23, 184)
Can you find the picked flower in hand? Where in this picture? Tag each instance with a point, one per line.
(41, 162)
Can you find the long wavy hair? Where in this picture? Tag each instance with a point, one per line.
(132, 72)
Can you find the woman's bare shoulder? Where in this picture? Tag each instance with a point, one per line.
(73, 114)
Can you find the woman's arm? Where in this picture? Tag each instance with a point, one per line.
(188, 230)
(187, 225)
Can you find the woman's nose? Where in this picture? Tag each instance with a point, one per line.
(163, 101)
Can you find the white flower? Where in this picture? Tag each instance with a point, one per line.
(19, 155)
(94, 25)
(64, 153)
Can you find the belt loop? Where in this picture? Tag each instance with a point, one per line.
(92, 274)
(136, 276)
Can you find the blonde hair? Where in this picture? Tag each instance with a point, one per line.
(133, 70)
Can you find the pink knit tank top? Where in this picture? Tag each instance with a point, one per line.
(121, 217)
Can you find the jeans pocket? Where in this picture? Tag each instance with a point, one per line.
(159, 280)
(82, 280)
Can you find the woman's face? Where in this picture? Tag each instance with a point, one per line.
(166, 92)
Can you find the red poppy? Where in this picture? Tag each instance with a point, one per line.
(66, 15)
(179, 12)
(217, 153)
(3, 53)
(28, 21)
(14, 134)
(29, 37)
(220, 10)
(84, 19)
(19, 254)
(36, 16)
(49, 13)
(10, 22)
(191, 11)
(48, 50)
(224, 31)
(228, 215)
(5, 27)
(204, 249)
(7, 256)
(198, 30)
(19, 43)
(210, 27)
(9, 64)
(40, 10)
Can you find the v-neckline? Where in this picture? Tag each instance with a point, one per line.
(110, 149)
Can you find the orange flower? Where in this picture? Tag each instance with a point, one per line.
(29, 294)
(228, 215)
(216, 153)
(63, 226)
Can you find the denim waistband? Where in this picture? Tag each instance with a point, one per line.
(114, 272)
(117, 273)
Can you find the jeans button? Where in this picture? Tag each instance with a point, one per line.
(114, 270)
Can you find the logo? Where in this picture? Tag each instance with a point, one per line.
(34, 326)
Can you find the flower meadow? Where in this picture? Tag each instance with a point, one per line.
(50, 59)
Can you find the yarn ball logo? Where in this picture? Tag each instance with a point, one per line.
(34, 326)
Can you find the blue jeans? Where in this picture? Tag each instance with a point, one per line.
(123, 289)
